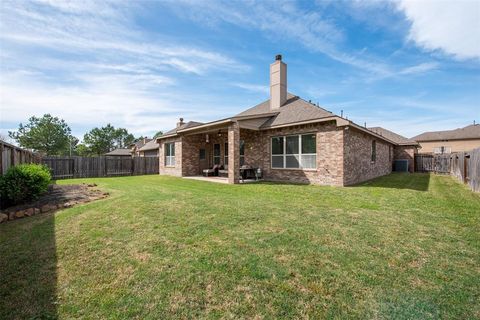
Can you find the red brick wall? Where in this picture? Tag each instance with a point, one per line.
(329, 154)
(177, 169)
(358, 164)
(343, 155)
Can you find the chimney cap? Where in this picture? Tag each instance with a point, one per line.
(278, 57)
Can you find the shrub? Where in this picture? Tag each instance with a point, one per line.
(24, 182)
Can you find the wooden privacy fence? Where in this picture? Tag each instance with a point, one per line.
(465, 166)
(432, 163)
(11, 155)
(86, 167)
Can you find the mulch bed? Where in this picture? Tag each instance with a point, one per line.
(57, 197)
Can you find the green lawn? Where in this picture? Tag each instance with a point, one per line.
(399, 247)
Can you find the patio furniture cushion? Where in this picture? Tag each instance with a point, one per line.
(212, 171)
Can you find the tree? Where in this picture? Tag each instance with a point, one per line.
(102, 140)
(158, 134)
(122, 138)
(82, 150)
(49, 135)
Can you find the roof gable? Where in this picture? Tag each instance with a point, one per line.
(294, 110)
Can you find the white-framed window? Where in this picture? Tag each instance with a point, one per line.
(225, 155)
(294, 152)
(169, 154)
(242, 152)
(216, 153)
(442, 149)
(374, 151)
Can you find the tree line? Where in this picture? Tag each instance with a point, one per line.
(52, 136)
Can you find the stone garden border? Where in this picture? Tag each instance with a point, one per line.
(57, 197)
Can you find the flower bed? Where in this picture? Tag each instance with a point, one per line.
(57, 197)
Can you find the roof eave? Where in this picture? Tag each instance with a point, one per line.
(206, 125)
(254, 116)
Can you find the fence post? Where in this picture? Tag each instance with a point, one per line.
(1, 158)
(12, 157)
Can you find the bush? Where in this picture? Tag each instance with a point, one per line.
(23, 183)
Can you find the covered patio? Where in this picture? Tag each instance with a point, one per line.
(217, 152)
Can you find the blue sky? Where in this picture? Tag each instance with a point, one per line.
(406, 66)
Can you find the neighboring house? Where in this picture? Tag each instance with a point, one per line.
(448, 141)
(150, 149)
(137, 145)
(286, 137)
(119, 153)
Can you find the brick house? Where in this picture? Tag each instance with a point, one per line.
(288, 138)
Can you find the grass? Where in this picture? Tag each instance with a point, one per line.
(398, 247)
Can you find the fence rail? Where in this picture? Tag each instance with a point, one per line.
(89, 167)
(11, 155)
(465, 166)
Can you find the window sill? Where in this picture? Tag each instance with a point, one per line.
(294, 169)
(169, 166)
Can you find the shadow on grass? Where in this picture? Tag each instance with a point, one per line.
(28, 264)
(412, 181)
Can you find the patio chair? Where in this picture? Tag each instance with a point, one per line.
(211, 172)
(223, 172)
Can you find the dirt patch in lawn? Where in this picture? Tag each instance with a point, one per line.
(57, 197)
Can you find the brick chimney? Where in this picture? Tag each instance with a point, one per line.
(278, 83)
(180, 123)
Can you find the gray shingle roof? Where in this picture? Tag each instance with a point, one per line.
(186, 125)
(294, 110)
(140, 143)
(469, 132)
(150, 145)
(119, 152)
(392, 136)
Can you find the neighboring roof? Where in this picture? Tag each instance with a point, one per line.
(469, 132)
(141, 142)
(294, 110)
(186, 125)
(119, 152)
(398, 139)
(150, 145)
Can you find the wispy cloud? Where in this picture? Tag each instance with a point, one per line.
(252, 87)
(283, 21)
(87, 62)
(420, 68)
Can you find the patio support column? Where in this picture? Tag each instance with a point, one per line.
(234, 153)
